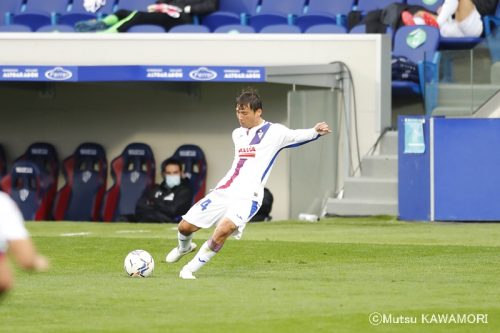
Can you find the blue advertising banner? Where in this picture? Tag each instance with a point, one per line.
(132, 73)
(38, 73)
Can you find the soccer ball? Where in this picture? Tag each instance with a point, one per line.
(139, 263)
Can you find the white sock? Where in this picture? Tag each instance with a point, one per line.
(201, 258)
(448, 8)
(184, 241)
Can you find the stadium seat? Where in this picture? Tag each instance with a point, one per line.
(492, 32)
(194, 166)
(230, 12)
(7, 7)
(56, 28)
(235, 29)
(15, 28)
(38, 13)
(189, 28)
(276, 12)
(324, 12)
(3, 163)
(25, 185)
(369, 5)
(361, 29)
(45, 156)
(141, 5)
(149, 28)
(326, 29)
(281, 29)
(78, 13)
(426, 56)
(85, 173)
(492, 21)
(429, 5)
(133, 171)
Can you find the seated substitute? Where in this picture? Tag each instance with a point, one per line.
(455, 18)
(168, 201)
(165, 13)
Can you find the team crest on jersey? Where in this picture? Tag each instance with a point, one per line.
(260, 133)
(247, 152)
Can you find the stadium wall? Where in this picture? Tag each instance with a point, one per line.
(166, 115)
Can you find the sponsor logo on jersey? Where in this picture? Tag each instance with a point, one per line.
(247, 152)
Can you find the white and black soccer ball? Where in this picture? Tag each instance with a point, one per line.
(139, 263)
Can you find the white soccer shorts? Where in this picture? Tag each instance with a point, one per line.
(216, 205)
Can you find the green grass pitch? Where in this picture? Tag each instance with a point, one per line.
(281, 277)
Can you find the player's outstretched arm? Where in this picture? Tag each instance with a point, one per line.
(26, 255)
(322, 128)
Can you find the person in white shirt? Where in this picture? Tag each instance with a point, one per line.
(238, 196)
(15, 238)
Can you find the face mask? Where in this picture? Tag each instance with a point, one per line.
(173, 180)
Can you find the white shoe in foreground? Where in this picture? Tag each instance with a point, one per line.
(175, 254)
(186, 274)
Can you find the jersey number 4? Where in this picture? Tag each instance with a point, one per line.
(205, 204)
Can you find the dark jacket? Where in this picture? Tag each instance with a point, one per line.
(164, 204)
(198, 7)
(486, 7)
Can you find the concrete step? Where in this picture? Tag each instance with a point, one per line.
(352, 207)
(365, 188)
(380, 166)
(452, 94)
(389, 143)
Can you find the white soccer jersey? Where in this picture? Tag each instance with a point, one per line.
(255, 151)
(11, 222)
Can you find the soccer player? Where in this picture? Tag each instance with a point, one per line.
(15, 237)
(238, 196)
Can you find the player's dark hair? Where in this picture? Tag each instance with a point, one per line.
(250, 97)
(169, 161)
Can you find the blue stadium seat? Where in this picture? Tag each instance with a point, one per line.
(492, 32)
(141, 5)
(133, 172)
(7, 7)
(324, 12)
(189, 28)
(38, 13)
(56, 28)
(45, 156)
(15, 28)
(25, 184)
(78, 13)
(85, 173)
(326, 29)
(235, 29)
(369, 5)
(230, 12)
(149, 28)
(276, 12)
(3, 163)
(358, 29)
(492, 21)
(426, 56)
(431, 7)
(194, 166)
(281, 29)
(361, 29)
